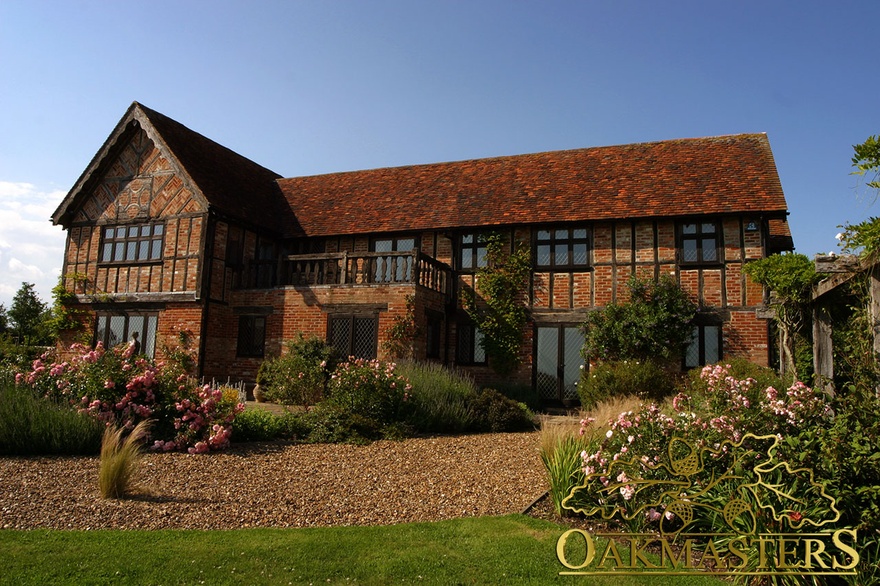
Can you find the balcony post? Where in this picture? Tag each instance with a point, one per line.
(344, 267)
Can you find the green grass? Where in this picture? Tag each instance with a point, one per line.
(33, 425)
(490, 550)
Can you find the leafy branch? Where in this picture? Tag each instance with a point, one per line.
(496, 306)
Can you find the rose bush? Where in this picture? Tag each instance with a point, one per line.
(118, 387)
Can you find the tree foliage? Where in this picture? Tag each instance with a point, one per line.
(501, 313)
(27, 316)
(866, 160)
(790, 277)
(862, 239)
(654, 324)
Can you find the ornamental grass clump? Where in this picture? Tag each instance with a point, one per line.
(563, 443)
(119, 459)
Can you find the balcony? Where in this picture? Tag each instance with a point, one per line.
(351, 268)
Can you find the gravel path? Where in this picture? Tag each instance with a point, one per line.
(282, 485)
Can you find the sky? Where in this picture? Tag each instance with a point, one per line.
(309, 87)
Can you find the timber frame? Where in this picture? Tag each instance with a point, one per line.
(238, 259)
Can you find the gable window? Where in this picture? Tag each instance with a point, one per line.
(472, 251)
(705, 346)
(354, 335)
(400, 267)
(699, 242)
(470, 344)
(251, 336)
(563, 248)
(131, 244)
(126, 327)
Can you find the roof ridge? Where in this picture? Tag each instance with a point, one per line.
(498, 158)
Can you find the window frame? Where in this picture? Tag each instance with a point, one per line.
(147, 337)
(699, 338)
(467, 353)
(251, 348)
(699, 237)
(405, 270)
(475, 245)
(125, 242)
(352, 318)
(554, 241)
(433, 335)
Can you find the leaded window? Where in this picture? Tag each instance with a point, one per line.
(251, 336)
(352, 335)
(128, 327)
(558, 361)
(132, 243)
(705, 347)
(470, 344)
(472, 251)
(699, 242)
(562, 248)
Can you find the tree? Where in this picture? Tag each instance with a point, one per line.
(4, 319)
(867, 160)
(27, 315)
(654, 324)
(790, 277)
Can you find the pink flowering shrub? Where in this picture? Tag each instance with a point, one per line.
(644, 452)
(117, 387)
(369, 388)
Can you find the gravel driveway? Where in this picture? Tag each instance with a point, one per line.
(283, 485)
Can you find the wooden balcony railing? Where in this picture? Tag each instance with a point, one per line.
(350, 268)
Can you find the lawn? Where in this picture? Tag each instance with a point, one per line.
(513, 549)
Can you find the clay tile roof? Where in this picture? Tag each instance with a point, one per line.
(718, 175)
(231, 183)
(224, 180)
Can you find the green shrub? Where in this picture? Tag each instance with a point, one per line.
(496, 413)
(645, 379)
(300, 376)
(333, 424)
(440, 398)
(294, 426)
(655, 323)
(257, 425)
(521, 394)
(254, 425)
(33, 425)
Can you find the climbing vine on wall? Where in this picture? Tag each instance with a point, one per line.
(497, 304)
(403, 333)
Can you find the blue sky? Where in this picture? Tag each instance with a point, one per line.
(307, 87)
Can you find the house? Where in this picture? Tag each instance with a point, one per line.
(170, 234)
